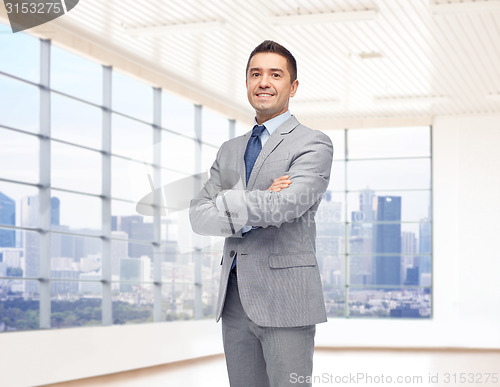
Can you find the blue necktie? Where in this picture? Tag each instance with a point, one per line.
(254, 147)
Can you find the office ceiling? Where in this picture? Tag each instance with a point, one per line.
(358, 59)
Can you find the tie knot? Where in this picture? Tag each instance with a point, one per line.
(257, 130)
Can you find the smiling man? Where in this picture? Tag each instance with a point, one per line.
(270, 296)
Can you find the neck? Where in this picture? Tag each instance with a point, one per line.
(261, 117)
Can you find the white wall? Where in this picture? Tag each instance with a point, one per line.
(466, 159)
(43, 357)
(466, 266)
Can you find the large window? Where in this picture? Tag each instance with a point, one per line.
(374, 225)
(90, 233)
(82, 146)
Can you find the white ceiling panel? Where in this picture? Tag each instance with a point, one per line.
(415, 58)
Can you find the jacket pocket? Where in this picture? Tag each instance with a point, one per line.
(283, 261)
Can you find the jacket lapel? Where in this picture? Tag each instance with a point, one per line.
(241, 152)
(271, 144)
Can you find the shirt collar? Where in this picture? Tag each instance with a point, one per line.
(272, 124)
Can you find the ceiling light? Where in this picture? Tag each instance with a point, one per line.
(183, 28)
(392, 99)
(464, 7)
(322, 18)
(315, 104)
(370, 55)
(493, 97)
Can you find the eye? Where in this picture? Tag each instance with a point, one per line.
(255, 74)
(276, 75)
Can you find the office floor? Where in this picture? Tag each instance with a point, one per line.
(331, 368)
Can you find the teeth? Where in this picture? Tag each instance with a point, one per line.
(264, 95)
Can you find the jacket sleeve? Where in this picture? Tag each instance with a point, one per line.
(310, 175)
(203, 213)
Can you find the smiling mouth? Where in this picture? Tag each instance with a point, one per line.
(264, 95)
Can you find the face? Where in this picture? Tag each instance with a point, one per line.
(268, 85)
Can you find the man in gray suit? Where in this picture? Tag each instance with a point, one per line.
(262, 195)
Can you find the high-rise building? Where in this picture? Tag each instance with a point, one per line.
(7, 217)
(30, 217)
(55, 211)
(134, 270)
(408, 253)
(366, 205)
(387, 246)
(119, 251)
(136, 229)
(412, 276)
(424, 246)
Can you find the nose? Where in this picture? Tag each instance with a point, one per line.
(264, 82)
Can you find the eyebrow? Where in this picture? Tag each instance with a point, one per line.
(272, 69)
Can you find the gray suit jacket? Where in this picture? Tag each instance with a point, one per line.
(278, 276)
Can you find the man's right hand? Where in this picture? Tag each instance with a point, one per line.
(280, 183)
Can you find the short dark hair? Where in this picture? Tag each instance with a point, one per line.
(271, 46)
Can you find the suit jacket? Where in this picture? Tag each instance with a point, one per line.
(278, 276)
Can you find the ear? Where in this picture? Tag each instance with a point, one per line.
(295, 85)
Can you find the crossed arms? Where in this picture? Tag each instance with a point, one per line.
(281, 202)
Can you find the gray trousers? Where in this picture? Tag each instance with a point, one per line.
(263, 356)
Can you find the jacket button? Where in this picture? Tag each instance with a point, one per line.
(231, 254)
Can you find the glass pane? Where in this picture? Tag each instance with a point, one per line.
(31, 261)
(169, 250)
(133, 303)
(177, 114)
(132, 97)
(142, 250)
(241, 128)
(177, 152)
(209, 298)
(130, 179)
(330, 239)
(11, 199)
(215, 127)
(30, 216)
(132, 139)
(389, 174)
(390, 270)
(131, 261)
(177, 302)
(81, 213)
(389, 142)
(180, 271)
(331, 209)
(76, 122)
(125, 218)
(76, 168)
(76, 304)
(64, 66)
(208, 155)
(19, 158)
(337, 176)
(338, 140)
(19, 305)
(20, 107)
(388, 238)
(334, 300)
(20, 54)
(402, 303)
(10, 240)
(332, 268)
(23, 260)
(72, 256)
(412, 205)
